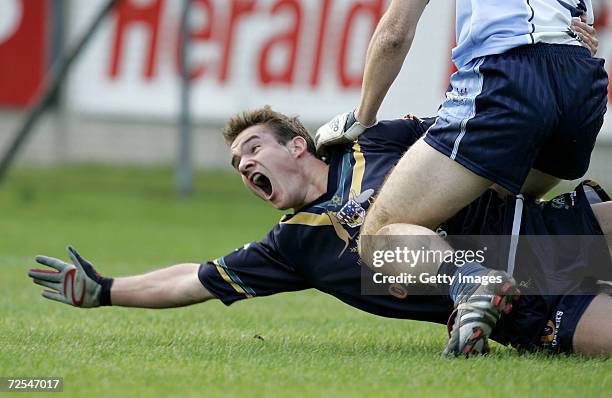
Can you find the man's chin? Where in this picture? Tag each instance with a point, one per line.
(280, 205)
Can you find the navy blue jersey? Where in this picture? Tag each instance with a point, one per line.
(317, 247)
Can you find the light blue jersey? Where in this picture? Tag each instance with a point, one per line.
(486, 27)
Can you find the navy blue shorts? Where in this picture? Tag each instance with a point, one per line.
(539, 106)
(548, 322)
(543, 323)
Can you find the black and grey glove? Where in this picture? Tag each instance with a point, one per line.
(77, 284)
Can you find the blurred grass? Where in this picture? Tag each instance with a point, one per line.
(129, 221)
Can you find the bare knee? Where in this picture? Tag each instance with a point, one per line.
(408, 236)
(593, 335)
(383, 237)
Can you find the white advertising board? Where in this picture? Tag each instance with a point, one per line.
(302, 57)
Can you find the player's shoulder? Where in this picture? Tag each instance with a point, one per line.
(296, 232)
(306, 223)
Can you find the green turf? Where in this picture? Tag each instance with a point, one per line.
(128, 221)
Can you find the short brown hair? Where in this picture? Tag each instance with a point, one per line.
(284, 127)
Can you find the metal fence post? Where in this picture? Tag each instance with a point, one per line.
(185, 167)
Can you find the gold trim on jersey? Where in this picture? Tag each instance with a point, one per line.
(310, 219)
(358, 169)
(229, 280)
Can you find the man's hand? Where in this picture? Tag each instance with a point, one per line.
(587, 34)
(341, 129)
(78, 285)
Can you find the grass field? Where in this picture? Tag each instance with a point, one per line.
(128, 221)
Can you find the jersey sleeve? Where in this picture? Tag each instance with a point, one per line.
(256, 269)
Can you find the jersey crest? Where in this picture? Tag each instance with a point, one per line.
(353, 213)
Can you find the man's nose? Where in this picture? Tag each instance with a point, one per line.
(245, 165)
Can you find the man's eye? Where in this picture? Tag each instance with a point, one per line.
(256, 148)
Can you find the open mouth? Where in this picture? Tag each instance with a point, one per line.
(262, 182)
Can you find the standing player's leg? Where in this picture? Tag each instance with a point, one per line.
(480, 136)
(488, 130)
(409, 206)
(403, 207)
(538, 184)
(425, 189)
(499, 112)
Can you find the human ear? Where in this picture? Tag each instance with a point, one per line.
(298, 146)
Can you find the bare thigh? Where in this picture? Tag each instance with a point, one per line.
(593, 334)
(536, 185)
(425, 189)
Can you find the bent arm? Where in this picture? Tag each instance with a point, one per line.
(386, 53)
(175, 286)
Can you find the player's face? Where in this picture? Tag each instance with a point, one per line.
(269, 169)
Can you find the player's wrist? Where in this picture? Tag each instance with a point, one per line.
(106, 285)
(362, 120)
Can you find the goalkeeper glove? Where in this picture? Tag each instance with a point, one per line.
(341, 129)
(77, 284)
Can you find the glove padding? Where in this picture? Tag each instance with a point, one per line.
(342, 129)
(78, 285)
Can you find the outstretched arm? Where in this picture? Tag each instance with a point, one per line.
(175, 286)
(79, 284)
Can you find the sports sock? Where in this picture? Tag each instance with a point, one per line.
(458, 286)
(447, 269)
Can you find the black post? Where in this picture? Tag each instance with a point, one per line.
(184, 172)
